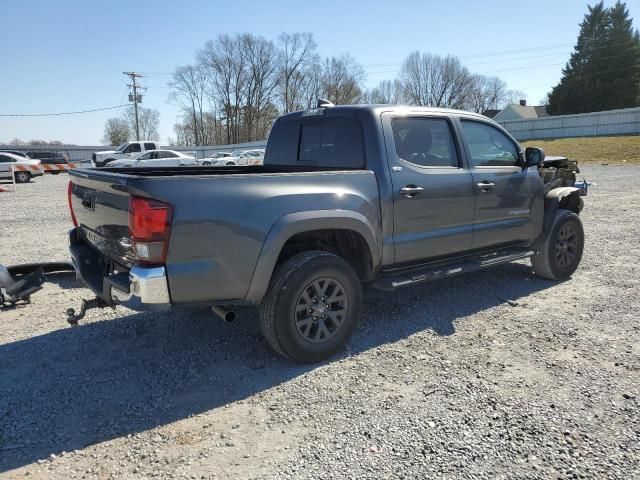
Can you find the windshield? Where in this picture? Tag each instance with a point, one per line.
(122, 147)
(236, 153)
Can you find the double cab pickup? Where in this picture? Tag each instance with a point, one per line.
(347, 195)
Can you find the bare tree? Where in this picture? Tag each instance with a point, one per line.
(389, 92)
(148, 120)
(435, 81)
(341, 79)
(486, 93)
(116, 131)
(262, 63)
(298, 53)
(190, 87)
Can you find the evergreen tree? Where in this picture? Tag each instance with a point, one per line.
(623, 50)
(604, 70)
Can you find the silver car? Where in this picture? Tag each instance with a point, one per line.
(24, 169)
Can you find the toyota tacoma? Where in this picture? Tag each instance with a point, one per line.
(347, 195)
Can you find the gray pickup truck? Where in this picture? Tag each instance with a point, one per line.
(388, 196)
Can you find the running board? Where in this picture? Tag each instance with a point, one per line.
(392, 282)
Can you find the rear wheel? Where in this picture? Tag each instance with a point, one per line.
(206, 163)
(22, 177)
(560, 252)
(312, 307)
(230, 163)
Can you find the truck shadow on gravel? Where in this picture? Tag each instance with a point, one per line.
(73, 387)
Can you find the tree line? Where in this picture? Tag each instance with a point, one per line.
(240, 83)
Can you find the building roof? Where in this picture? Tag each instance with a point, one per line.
(521, 112)
(491, 113)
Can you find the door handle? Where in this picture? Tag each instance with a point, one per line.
(411, 191)
(486, 186)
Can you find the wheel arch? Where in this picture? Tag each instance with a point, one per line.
(312, 229)
(567, 198)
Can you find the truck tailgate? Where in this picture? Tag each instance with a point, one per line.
(100, 203)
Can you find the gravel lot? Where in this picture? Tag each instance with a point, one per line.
(444, 380)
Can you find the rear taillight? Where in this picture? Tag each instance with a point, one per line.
(69, 195)
(150, 228)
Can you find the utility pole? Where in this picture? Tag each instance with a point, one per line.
(136, 99)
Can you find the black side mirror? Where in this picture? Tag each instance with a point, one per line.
(533, 156)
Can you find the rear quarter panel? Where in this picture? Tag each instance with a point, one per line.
(221, 223)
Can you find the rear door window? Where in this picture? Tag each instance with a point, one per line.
(149, 146)
(424, 141)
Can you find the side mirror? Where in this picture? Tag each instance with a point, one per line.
(533, 156)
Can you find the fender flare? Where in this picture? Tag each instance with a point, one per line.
(567, 198)
(291, 224)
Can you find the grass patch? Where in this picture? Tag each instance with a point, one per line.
(613, 150)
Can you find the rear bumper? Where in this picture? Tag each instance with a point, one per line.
(141, 288)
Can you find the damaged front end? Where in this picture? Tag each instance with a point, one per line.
(559, 172)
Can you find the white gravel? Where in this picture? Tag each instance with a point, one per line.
(444, 380)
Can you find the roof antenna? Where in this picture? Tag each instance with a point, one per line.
(323, 102)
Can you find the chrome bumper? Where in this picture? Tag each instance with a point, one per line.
(148, 290)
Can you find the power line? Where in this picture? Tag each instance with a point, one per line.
(59, 113)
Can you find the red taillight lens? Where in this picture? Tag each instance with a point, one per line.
(69, 195)
(150, 228)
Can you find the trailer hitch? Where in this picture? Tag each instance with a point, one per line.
(74, 318)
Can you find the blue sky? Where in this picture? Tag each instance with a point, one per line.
(69, 55)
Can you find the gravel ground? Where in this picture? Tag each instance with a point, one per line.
(443, 380)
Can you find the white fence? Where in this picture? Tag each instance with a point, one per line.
(83, 153)
(612, 122)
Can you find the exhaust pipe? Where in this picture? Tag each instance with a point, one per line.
(226, 315)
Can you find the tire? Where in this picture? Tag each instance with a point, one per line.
(560, 252)
(317, 332)
(206, 163)
(22, 177)
(230, 163)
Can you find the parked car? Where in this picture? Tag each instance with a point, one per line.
(218, 158)
(16, 152)
(390, 196)
(124, 151)
(10, 161)
(156, 158)
(251, 157)
(50, 158)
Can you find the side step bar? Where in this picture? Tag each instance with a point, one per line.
(392, 282)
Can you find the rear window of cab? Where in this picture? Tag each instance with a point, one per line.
(333, 142)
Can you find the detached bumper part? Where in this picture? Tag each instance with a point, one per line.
(147, 289)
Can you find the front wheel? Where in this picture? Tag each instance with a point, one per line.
(560, 252)
(22, 177)
(312, 307)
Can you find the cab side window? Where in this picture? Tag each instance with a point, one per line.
(149, 146)
(488, 146)
(426, 142)
(134, 147)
